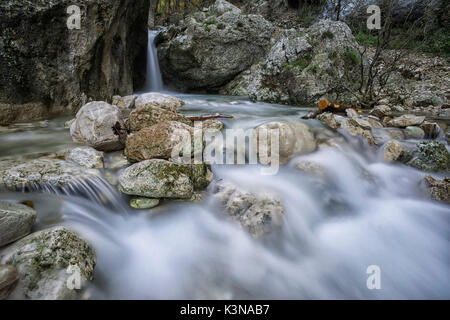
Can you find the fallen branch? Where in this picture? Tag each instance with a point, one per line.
(210, 116)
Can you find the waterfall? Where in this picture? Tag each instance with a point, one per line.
(154, 79)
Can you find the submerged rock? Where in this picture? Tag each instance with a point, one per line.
(294, 139)
(143, 203)
(430, 156)
(213, 47)
(158, 178)
(45, 261)
(20, 173)
(8, 280)
(16, 221)
(86, 157)
(94, 126)
(258, 214)
(438, 190)
(159, 141)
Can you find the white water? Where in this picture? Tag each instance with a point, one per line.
(154, 80)
(369, 213)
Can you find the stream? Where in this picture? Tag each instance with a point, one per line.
(184, 250)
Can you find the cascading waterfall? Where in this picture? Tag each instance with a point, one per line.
(154, 80)
(377, 216)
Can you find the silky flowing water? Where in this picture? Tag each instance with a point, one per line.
(178, 250)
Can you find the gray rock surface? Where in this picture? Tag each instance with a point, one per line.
(43, 260)
(16, 221)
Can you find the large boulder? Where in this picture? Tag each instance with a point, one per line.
(16, 221)
(8, 280)
(94, 126)
(153, 108)
(159, 141)
(294, 139)
(158, 178)
(258, 214)
(213, 47)
(303, 67)
(48, 69)
(430, 156)
(45, 261)
(32, 173)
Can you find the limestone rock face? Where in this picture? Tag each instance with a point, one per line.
(48, 69)
(94, 126)
(16, 221)
(158, 178)
(213, 47)
(303, 67)
(43, 260)
(159, 141)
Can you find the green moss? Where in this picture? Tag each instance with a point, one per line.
(431, 156)
(327, 35)
(299, 63)
(352, 57)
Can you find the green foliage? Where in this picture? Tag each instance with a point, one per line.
(352, 57)
(327, 35)
(299, 63)
(365, 38)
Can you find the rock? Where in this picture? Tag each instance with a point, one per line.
(212, 48)
(383, 135)
(94, 126)
(374, 123)
(259, 214)
(398, 108)
(68, 124)
(406, 120)
(125, 104)
(351, 113)
(303, 67)
(43, 260)
(394, 151)
(16, 221)
(431, 156)
(413, 132)
(86, 157)
(161, 100)
(212, 124)
(143, 203)
(311, 168)
(381, 111)
(23, 173)
(51, 70)
(163, 179)
(153, 108)
(438, 190)
(363, 123)
(354, 128)
(116, 161)
(8, 280)
(159, 141)
(328, 119)
(294, 139)
(431, 129)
